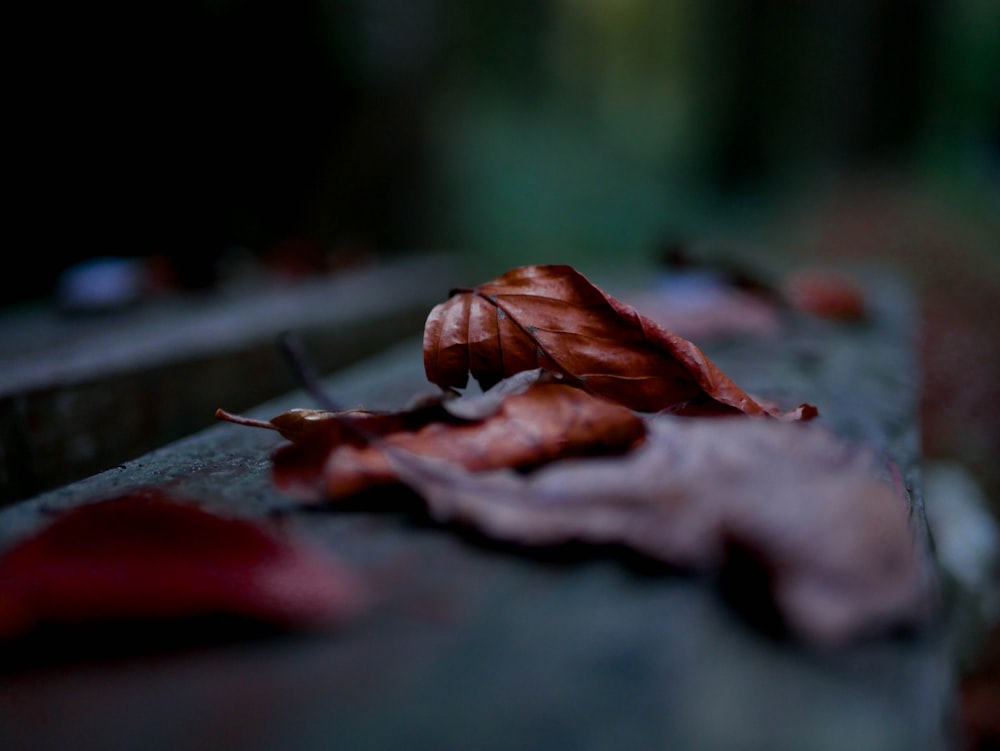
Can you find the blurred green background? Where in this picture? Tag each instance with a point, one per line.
(512, 132)
(582, 129)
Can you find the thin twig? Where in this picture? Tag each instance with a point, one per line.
(294, 353)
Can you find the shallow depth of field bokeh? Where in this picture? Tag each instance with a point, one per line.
(305, 135)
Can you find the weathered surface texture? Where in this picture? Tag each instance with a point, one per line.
(476, 646)
(79, 395)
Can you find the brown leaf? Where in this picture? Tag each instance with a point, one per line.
(359, 426)
(552, 317)
(521, 422)
(833, 542)
(146, 556)
(320, 426)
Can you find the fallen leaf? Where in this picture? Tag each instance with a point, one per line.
(145, 556)
(338, 426)
(520, 422)
(545, 422)
(552, 317)
(803, 510)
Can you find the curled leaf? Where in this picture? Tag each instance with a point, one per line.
(802, 509)
(552, 317)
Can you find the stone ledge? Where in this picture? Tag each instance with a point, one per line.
(476, 646)
(80, 395)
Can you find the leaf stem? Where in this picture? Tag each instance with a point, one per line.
(221, 414)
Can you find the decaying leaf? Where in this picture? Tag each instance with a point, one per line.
(833, 541)
(146, 556)
(552, 317)
(521, 422)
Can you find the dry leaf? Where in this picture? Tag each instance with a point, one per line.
(803, 509)
(552, 317)
(521, 422)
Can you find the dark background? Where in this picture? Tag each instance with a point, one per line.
(317, 128)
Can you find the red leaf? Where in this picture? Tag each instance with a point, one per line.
(552, 317)
(146, 556)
